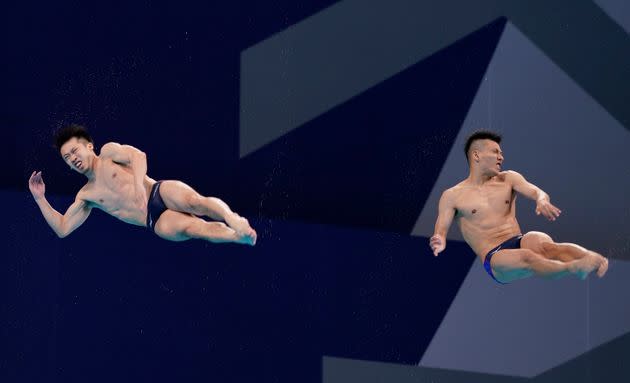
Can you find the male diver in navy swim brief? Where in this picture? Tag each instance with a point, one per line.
(118, 184)
(484, 206)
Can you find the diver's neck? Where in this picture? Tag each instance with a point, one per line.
(477, 178)
(90, 174)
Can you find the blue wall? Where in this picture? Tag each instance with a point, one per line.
(335, 271)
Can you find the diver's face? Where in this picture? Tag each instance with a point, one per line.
(78, 154)
(490, 157)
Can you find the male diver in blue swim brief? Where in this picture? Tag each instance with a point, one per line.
(512, 243)
(118, 184)
(484, 205)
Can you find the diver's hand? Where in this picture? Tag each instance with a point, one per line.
(437, 243)
(36, 185)
(140, 198)
(544, 207)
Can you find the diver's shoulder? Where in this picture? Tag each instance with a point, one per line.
(455, 190)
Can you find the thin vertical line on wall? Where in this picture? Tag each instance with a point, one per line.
(588, 313)
(588, 326)
(490, 101)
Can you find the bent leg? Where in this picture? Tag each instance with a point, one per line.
(181, 197)
(542, 244)
(176, 226)
(513, 264)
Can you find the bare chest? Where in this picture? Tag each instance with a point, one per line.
(112, 186)
(490, 201)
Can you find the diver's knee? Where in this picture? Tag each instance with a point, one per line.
(548, 247)
(529, 257)
(194, 201)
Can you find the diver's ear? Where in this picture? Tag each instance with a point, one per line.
(90, 146)
(475, 155)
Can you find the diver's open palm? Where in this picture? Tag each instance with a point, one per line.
(36, 185)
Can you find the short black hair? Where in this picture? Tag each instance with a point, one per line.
(480, 135)
(65, 133)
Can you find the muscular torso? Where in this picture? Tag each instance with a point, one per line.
(113, 191)
(486, 214)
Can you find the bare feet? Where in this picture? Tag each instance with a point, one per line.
(237, 223)
(247, 238)
(603, 264)
(584, 266)
(246, 235)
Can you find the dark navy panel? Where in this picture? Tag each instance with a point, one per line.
(113, 302)
(335, 271)
(372, 161)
